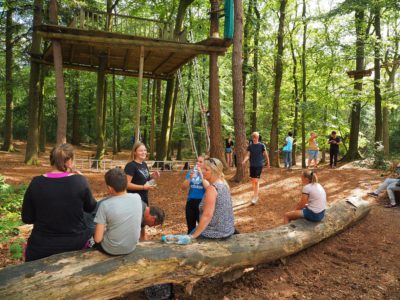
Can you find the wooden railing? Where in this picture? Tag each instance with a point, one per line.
(148, 28)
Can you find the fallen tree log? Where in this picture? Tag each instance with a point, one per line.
(92, 275)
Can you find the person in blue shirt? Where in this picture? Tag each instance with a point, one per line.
(256, 152)
(287, 150)
(197, 187)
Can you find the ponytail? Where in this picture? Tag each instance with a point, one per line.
(59, 156)
(311, 176)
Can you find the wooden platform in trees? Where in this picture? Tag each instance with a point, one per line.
(81, 49)
(91, 274)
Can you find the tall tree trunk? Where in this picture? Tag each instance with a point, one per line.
(31, 154)
(238, 97)
(377, 75)
(296, 99)
(214, 106)
(146, 115)
(390, 87)
(158, 115)
(172, 119)
(152, 122)
(274, 157)
(8, 120)
(99, 107)
(114, 115)
(42, 124)
(58, 69)
(255, 68)
(358, 85)
(246, 49)
(162, 148)
(119, 122)
(76, 137)
(104, 122)
(304, 87)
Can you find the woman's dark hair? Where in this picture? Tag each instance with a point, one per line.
(59, 156)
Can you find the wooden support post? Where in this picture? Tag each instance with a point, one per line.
(139, 94)
(82, 19)
(58, 68)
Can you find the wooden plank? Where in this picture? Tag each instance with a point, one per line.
(71, 53)
(108, 58)
(147, 56)
(128, 41)
(117, 71)
(125, 59)
(139, 95)
(184, 62)
(91, 274)
(163, 62)
(91, 56)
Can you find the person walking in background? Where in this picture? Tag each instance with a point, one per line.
(197, 186)
(256, 152)
(312, 150)
(55, 203)
(287, 150)
(334, 142)
(229, 150)
(138, 174)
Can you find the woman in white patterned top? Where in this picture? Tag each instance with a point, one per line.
(216, 211)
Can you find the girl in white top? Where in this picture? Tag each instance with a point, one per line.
(312, 204)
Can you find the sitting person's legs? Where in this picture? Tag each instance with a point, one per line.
(393, 187)
(384, 185)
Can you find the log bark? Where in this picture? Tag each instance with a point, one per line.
(92, 275)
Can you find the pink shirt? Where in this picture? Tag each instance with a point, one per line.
(57, 175)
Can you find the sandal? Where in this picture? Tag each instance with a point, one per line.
(390, 205)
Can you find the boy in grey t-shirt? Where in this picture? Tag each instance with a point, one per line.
(118, 219)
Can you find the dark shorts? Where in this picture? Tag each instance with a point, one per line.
(255, 172)
(312, 216)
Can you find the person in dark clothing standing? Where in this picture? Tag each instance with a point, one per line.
(256, 152)
(334, 142)
(138, 174)
(55, 203)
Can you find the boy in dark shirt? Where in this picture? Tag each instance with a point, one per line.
(334, 142)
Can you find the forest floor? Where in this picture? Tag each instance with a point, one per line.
(362, 262)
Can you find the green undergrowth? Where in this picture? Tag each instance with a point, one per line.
(10, 216)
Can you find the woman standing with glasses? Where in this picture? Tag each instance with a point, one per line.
(216, 211)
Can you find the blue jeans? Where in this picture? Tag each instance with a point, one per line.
(288, 159)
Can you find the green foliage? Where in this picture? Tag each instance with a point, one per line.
(17, 249)
(10, 209)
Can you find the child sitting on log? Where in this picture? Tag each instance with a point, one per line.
(118, 219)
(312, 204)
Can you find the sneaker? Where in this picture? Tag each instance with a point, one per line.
(390, 205)
(373, 194)
(254, 200)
